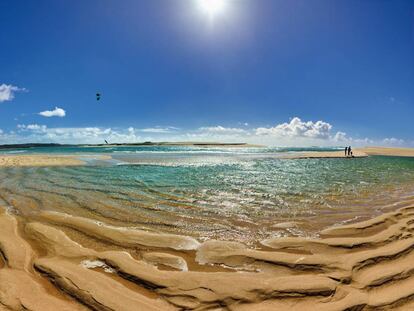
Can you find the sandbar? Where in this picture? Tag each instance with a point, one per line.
(38, 160)
(43, 160)
(357, 153)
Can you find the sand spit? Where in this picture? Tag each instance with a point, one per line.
(38, 160)
(357, 153)
(363, 266)
(326, 154)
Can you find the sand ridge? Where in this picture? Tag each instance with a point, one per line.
(362, 266)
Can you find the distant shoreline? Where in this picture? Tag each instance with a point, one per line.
(148, 143)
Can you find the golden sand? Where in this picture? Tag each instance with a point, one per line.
(400, 152)
(327, 154)
(357, 153)
(363, 266)
(38, 160)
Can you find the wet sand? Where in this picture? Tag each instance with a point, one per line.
(362, 266)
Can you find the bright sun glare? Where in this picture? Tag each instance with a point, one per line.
(212, 7)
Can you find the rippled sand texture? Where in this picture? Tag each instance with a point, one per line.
(61, 262)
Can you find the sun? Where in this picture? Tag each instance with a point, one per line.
(212, 7)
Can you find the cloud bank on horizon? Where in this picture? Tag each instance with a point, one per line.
(293, 133)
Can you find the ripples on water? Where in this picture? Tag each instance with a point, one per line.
(228, 194)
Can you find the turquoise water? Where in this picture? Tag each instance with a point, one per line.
(162, 149)
(236, 194)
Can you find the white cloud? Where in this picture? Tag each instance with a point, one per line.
(361, 141)
(158, 130)
(297, 128)
(32, 127)
(57, 112)
(73, 135)
(340, 137)
(393, 141)
(7, 92)
(222, 130)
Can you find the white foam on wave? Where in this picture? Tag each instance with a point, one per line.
(15, 152)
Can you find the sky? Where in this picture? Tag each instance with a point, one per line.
(283, 73)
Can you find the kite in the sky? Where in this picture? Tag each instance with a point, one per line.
(98, 96)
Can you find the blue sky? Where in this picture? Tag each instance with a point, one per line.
(168, 70)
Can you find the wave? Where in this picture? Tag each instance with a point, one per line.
(15, 152)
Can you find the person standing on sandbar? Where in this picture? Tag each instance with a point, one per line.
(346, 151)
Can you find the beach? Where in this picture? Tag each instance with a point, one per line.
(207, 155)
(80, 237)
(329, 154)
(361, 153)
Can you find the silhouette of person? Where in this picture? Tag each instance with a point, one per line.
(346, 151)
(349, 150)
